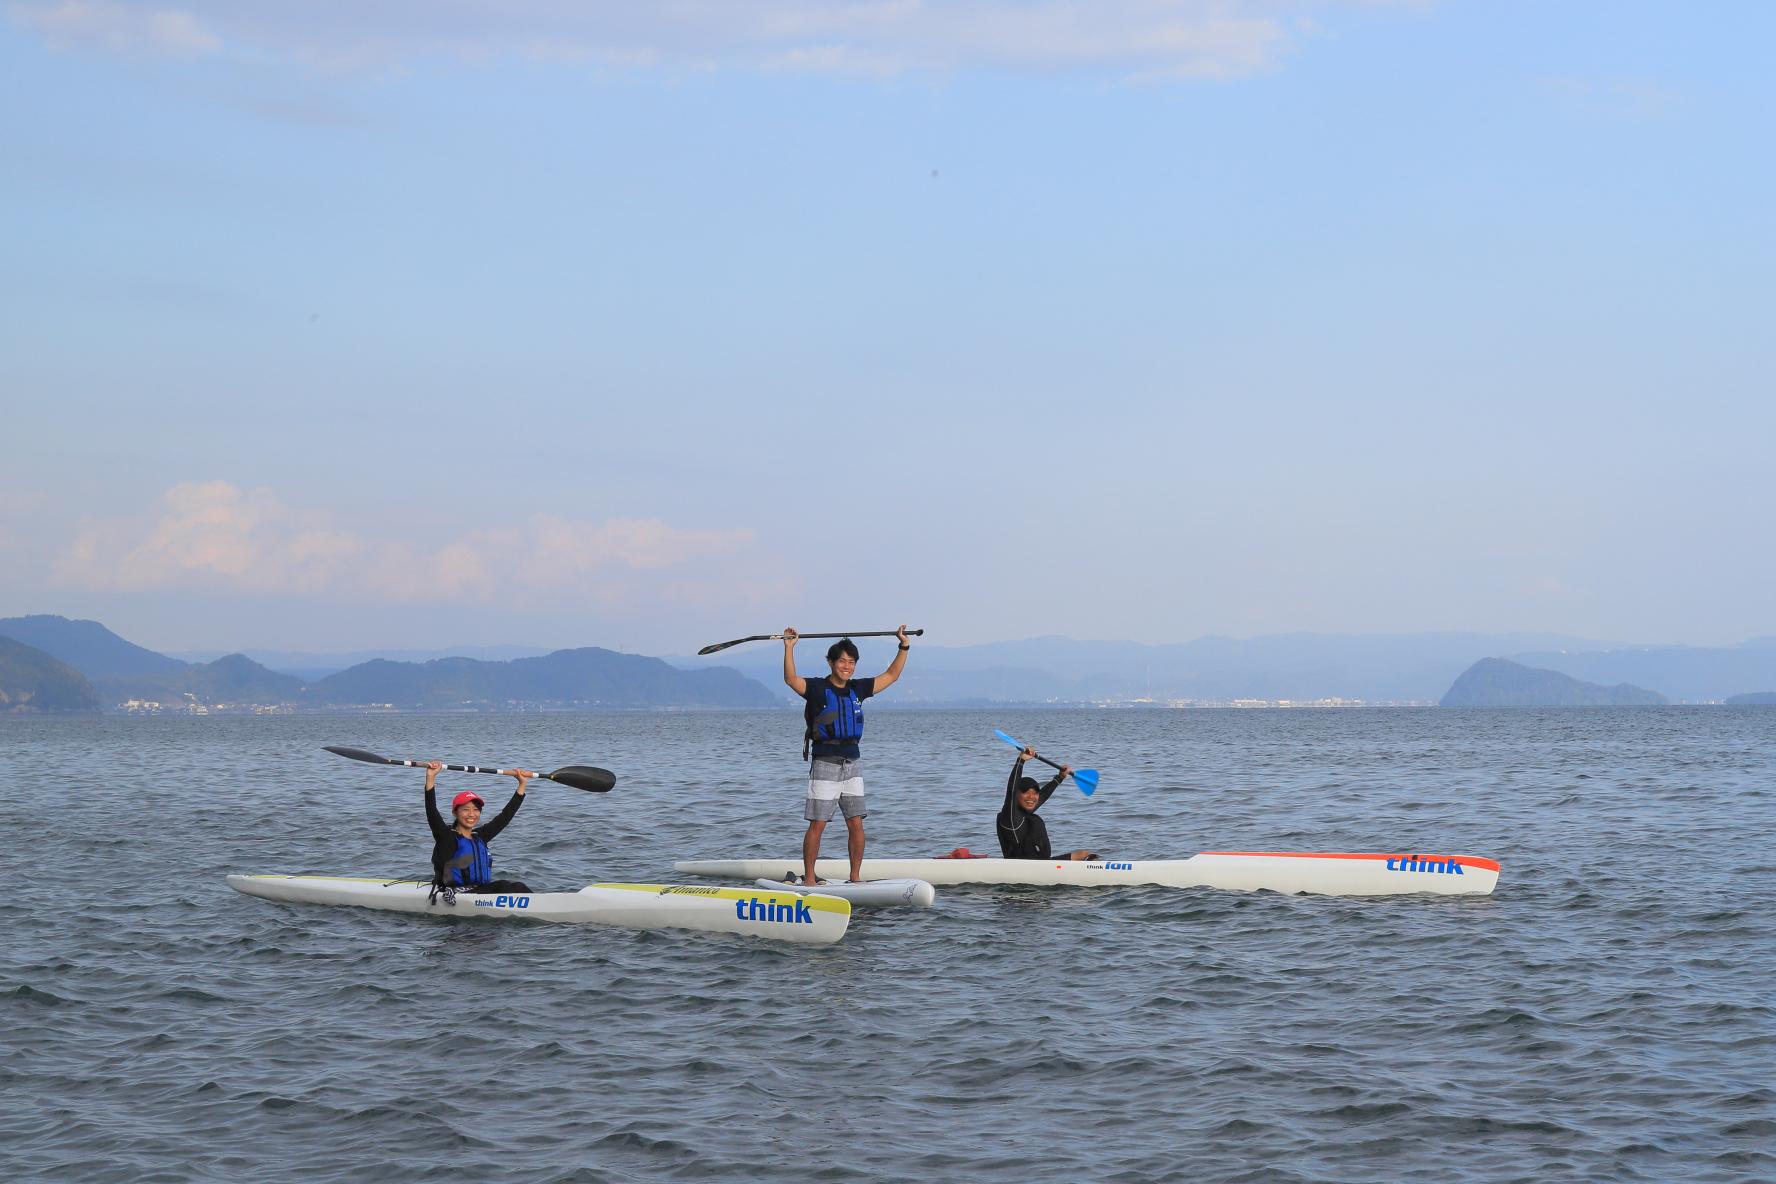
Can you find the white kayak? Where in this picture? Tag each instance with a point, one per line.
(1324, 873)
(779, 915)
(871, 893)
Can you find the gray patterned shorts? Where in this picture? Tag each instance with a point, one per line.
(834, 783)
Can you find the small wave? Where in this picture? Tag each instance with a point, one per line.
(37, 997)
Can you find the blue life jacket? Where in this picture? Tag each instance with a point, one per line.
(837, 717)
(479, 869)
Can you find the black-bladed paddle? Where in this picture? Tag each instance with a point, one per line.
(1085, 779)
(722, 645)
(586, 777)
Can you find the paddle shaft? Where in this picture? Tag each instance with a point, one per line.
(1085, 779)
(1007, 739)
(584, 777)
(722, 645)
(459, 768)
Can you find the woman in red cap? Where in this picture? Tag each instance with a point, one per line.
(461, 861)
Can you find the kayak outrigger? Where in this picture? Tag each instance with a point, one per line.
(1324, 873)
(777, 915)
(868, 894)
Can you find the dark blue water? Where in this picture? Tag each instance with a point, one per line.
(1607, 1015)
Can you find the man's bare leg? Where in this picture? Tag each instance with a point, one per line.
(811, 851)
(854, 847)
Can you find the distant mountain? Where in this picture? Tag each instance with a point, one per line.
(579, 678)
(233, 679)
(1409, 667)
(1754, 699)
(1496, 682)
(31, 681)
(1692, 673)
(238, 678)
(87, 646)
(590, 677)
(1413, 667)
(312, 667)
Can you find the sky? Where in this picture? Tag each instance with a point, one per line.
(468, 322)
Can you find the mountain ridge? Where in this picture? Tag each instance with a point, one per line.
(1499, 682)
(1372, 668)
(33, 682)
(587, 677)
(87, 646)
(1411, 668)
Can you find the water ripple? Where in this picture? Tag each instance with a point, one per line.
(1606, 1015)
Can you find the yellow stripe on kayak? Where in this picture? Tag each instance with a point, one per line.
(816, 904)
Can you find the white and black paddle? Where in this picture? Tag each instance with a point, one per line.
(586, 777)
(722, 645)
(1085, 779)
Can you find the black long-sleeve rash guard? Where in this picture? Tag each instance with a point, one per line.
(1023, 835)
(444, 835)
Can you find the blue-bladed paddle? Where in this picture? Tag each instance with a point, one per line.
(1085, 779)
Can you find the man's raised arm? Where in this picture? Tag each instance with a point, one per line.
(791, 679)
(891, 675)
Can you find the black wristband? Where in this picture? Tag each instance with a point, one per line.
(905, 648)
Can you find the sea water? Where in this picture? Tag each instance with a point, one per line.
(1605, 1015)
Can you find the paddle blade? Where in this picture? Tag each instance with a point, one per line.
(358, 754)
(1008, 739)
(586, 777)
(1086, 780)
(719, 646)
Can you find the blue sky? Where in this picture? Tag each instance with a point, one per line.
(400, 324)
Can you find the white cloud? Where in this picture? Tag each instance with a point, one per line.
(1125, 38)
(215, 536)
(118, 26)
(581, 548)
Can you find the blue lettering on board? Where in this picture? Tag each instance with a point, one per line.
(754, 909)
(1412, 863)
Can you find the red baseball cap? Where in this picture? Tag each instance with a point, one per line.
(464, 798)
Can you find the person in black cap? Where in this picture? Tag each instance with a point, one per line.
(1022, 835)
(461, 861)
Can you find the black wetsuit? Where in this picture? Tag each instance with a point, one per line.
(1022, 835)
(444, 839)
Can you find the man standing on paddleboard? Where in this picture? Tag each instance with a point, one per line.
(834, 714)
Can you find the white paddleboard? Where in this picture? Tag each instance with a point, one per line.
(871, 893)
(1330, 873)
